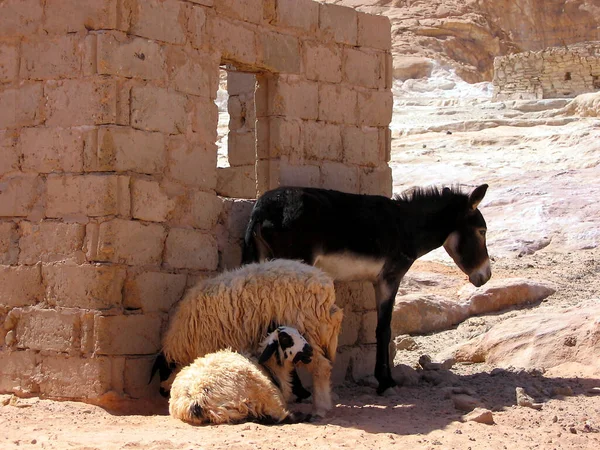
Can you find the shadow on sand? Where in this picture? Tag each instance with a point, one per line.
(427, 406)
(411, 410)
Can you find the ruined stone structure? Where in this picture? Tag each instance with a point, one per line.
(108, 174)
(551, 73)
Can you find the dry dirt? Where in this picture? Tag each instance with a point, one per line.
(417, 417)
(543, 219)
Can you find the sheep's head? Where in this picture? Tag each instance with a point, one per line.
(288, 346)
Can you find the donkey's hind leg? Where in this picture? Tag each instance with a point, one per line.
(385, 292)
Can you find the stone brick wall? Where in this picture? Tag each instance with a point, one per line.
(108, 172)
(555, 72)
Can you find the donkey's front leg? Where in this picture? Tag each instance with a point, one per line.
(385, 292)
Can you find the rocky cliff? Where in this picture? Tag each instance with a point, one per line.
(468, 34)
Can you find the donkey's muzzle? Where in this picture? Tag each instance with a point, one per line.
(481, 276)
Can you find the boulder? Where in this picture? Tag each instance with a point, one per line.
(548, 339)
(525, 400)
(497, 295)
(584, 105)
(480, 415)
(412, 67)
(466, 402)
(405, 375)
(425, 313)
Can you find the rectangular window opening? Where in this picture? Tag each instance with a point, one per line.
(236, 133)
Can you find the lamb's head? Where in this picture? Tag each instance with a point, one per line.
(288, 346)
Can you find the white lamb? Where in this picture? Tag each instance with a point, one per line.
(228, 387)
(238, 308)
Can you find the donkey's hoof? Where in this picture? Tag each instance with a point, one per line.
(391, 392)
(385, 386)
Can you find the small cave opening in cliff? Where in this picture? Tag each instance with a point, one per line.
(567, 76)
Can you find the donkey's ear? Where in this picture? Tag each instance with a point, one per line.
(476, 196)
(268, 352)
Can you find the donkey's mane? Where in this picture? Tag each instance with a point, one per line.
(426, 194)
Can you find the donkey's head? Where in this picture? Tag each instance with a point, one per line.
(466, 244)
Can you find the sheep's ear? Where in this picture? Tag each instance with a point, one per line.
(268, 352)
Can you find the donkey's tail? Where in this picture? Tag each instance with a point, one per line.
(249, 249)
(255, 248)
(162, 366)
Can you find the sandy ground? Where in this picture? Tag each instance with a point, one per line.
(543, 222)
(418, 417)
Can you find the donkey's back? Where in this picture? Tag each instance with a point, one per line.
(318, 225)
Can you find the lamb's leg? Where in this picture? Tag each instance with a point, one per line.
(270, 410)
(320, 369)
(291, 418)
(297, 417)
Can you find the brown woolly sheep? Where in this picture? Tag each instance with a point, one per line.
(228, 387)
(236, 309)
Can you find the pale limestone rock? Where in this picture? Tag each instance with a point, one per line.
(5, 399)
(480, 415)
(500, 294)
(594, 391)
(563, 391)
(466, 402)
(407, 67)
(450, 391)
(405, 342)
(405, 375)
(541, 339)
(423, 313)
(584, 105)
(427, 364)
(526, 400)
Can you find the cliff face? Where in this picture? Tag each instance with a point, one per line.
(537, 24)
(468, 34)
